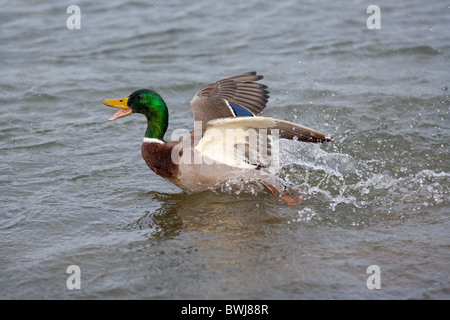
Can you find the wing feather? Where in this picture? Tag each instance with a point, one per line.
(251, 142)
(212, 101)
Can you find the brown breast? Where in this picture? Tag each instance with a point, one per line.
(158, 157)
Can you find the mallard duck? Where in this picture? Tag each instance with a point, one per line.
(230, 144)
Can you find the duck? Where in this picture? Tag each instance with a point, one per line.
(230, 145)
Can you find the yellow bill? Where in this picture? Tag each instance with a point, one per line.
(121, 104)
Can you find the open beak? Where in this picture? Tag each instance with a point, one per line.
(121, 104)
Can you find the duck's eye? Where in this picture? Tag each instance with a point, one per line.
(140, 96)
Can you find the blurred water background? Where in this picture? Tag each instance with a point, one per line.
(75, 190)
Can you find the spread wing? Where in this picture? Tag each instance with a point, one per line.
(285, 129)
(251, 142)
(234, 96)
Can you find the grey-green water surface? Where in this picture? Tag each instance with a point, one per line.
(75, 191)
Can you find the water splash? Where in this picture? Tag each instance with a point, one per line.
(338, 182)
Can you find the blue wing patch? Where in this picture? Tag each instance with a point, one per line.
(240, 111)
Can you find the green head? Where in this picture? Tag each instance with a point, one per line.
(147, 102)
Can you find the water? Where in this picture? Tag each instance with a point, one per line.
(75, 190)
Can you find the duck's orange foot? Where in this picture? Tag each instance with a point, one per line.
(284, 198)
